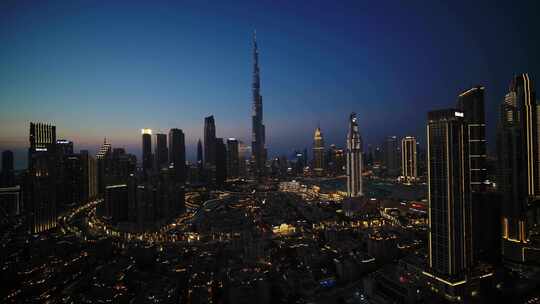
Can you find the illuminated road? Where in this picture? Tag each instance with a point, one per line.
(84, 223)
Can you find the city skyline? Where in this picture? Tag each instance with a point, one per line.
(352, 76)
(394, 158)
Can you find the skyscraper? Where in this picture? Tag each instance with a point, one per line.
(89, 166)
(161, 154)
(177, 154)
(42, 167)
(485, 206)
(244, 150)
(258, 146)
(71, 187)
(221, 161)
(64, 199)
(471, 103)
(518, 168)
(391, 155)
(147, 158)
(7, 178)
(449, 239)
(354, 159)
(209, 141)
(104, 149)
(233, 158)
(104, 164)
(199, 153)
(64, 147)
(318, 152)
(408, 159)
(336, 160)
(122, 165)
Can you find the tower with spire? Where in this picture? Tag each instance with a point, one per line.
(354, 159)
(318, 152)
(258, 146)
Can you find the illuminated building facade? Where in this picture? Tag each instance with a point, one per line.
(209, 141)
(318, 152)
(449, 240)
(42, 167)
(104, 149)
(471, 103)
(409, 166)
(485, 206)
(177, 154)
(233, 158)
(161, 153)
(103, 158)
(147, 159)
(518, 168)
(258, 147)
(354, 159)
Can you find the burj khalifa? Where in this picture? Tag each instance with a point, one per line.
(258, 147)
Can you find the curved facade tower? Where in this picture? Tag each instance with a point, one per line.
(518, 169)
(258, 147)
(354, 159)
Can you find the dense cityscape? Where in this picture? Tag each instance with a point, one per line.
(399, 221)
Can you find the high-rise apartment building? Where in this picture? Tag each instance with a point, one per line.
(471, 103)
(42, 167)
(233, 158)
(449, 195)
(147, 159)
(209, 141)
(161, 153)
(64, 146)
(200, 159)
(409, 167)
(518, 179)
(485, 206)
(221, 161)
(177, 154)
(391, 155)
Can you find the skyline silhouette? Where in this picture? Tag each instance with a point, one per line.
(107, 70)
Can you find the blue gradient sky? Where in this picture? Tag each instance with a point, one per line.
(110, 68)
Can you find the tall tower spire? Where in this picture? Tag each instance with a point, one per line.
(354, 159)
(258, 147)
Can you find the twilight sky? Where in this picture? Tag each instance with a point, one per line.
(110, 68)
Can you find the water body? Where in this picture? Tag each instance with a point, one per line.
(376, 189)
